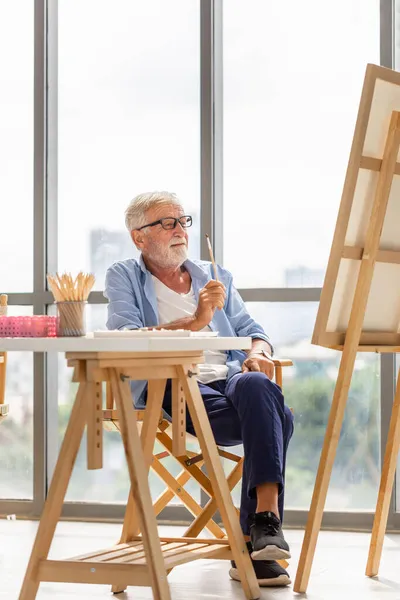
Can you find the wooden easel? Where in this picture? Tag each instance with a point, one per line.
(136, 560)
(355, 341)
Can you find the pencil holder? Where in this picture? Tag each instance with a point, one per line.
(71, 315)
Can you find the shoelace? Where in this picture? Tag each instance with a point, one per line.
(268, 526)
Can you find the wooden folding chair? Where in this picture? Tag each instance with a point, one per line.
(191, 463)
(3, 405)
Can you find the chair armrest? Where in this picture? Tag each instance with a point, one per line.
(279, 363)
(282, 362)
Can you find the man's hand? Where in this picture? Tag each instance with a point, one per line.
(259, 362)
(211, 297)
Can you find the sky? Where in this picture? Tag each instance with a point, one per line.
(129, 121)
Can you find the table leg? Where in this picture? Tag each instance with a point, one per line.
(219, 484)
(58, 488)
(155, 395)
(138, 472)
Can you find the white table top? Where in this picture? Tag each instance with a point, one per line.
(89, 343)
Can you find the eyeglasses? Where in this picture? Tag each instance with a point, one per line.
(170, 222)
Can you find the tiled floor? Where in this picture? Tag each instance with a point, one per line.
(338, 571)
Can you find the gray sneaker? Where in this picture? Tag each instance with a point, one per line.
(267, 537)
(268, 572)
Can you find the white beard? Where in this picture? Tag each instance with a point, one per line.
(170, 257)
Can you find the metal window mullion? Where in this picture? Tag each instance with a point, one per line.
(206, 125)
(211, 118)
(280, 294)
(115, 512)
(206, 137)
(51, 250)
(388, 361)
(386, 30)
(218, 123)
(387, 380)
(21, 299)
(39, 236)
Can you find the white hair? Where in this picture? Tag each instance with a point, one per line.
(135, 214)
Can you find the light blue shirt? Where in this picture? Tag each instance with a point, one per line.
(130, 291)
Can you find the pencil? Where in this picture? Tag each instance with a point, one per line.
(212, 257)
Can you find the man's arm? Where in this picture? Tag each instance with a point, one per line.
(123, 313)
(258, 346)
(122, 309)
(259, 358)
(211, 297)
(189, 323)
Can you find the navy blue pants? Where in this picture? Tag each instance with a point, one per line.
(249, 409)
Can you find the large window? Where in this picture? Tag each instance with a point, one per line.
(130, 95)
(129, 121)
(293, 74)
(16, 145)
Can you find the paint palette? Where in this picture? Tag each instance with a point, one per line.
(155, 333)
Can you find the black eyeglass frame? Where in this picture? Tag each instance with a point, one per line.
(175, 219)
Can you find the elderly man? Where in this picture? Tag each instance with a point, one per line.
(166, 289)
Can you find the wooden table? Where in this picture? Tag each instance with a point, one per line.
(137, 560)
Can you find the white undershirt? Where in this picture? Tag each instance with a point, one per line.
(173, 306)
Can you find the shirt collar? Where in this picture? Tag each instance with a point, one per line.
(142, 265)
(195, 271)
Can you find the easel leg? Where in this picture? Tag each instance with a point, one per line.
(324, 472)
(385, 488)
(138, 472)
(219, 484)
(58, 488)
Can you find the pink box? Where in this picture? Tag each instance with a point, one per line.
(35, 326)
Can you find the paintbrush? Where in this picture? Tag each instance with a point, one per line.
(212, 257)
